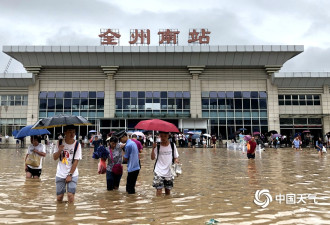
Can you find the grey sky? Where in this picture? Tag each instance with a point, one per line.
(232, 22)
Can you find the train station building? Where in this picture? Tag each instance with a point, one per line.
(215, 89)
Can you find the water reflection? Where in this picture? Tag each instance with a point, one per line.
(216, 183)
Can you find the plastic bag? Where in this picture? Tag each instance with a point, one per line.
(102, 167)
(324, 149)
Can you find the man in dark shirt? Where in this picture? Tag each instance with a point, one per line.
(96, 143)
(252, 144)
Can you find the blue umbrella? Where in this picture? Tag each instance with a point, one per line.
(15, 132)
(27, 131)
(195, 136)
(92, 131)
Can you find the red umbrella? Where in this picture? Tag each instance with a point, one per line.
(256, 133)
(306, 131)
(157, 125)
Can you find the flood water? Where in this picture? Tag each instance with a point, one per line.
(215, 184)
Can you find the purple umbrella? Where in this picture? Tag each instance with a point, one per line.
(247, 137)
(256, 133)
(277, 135)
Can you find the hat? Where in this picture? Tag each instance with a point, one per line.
(120, 134)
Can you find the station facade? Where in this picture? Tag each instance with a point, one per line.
(215, 89)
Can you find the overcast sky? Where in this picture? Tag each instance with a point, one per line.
(232, 22)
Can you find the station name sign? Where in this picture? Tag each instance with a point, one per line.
(166, 36)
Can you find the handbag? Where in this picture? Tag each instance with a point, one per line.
(33, 160)
(117, 169)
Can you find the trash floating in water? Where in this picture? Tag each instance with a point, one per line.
(212, 221)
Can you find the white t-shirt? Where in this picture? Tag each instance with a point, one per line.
(39, 148)
(62, 168)
(164, 162)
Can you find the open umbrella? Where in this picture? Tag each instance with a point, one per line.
(247, 137)
(242, 129)
(190, 132)
(138, 133)
(207, 135)
(277, 135)
(92, 131)
(15, 132)
(272, 131)
(27, 131)
(60, 121)
(195, 136)
(256, 133)
(306, 131)
(157, 125)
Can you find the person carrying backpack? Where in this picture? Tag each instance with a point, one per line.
(165, 154)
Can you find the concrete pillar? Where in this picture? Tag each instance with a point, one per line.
(110, 91)
(195, 91)
(273, 107)
(33, 96)
(325, 101)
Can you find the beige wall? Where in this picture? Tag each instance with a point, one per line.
(297, 110)
(70, 85)
(325, 101)
(155, 85)
(13, 111)
(273, 107)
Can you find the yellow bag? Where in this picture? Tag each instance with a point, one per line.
(33, 160)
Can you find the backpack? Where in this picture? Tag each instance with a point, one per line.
(158, 147)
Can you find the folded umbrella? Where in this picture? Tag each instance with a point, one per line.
(28, 131)
(60, 121)
(157, 125)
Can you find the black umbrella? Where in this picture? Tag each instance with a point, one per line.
(272, 131)
(60, 121)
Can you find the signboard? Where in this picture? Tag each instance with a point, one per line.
(166, 37)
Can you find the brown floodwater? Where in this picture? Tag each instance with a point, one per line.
(215, 184)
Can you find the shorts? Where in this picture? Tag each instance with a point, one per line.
(161, 182)
(251, 156)
(61, 185)
(34, 172)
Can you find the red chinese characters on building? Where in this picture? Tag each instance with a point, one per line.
(109, 37)
(140, 37)
(200, 36)
(168, 37)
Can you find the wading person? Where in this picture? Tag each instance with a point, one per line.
(114, 167)
(37, 151)
(251, 150)
(132, 158)
(165, 154)
(96, 143)
(69, 153)
(296, 143)
(319, 146)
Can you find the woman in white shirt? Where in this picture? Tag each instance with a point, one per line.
(38, 149)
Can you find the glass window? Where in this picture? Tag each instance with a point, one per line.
(263, 103)
(280, 96)
(295, 97)
(100, 103)
(222, 114)
(157, 100)
(221, 103)
(126, 103)
(221, 94)
(134, 94)
(263, 113)
(163, 94)
(238, 103)
(213, 103)
(314, 121)
(254, 94)
(171, 94)
(309, 99)
(205, 94)
(141, 103)
(246, 94)
(141, 94)
(186, 103)
(246, 104)
(237, 94)
(84, 94)
(43, 94)
(156, 94)
(254, 104)
(213, 94)
(205, 103)
(42, 114)
(163, 103)
(149, 94)
(230, 113)
(230, 94)
(255, 114)
(247, 114)
(51, 103)
(68, 94)
(100, 94)
(247, 121)
(51, 94)
(67, 104)
(205, 114)
(262, 94)
(59, 94)
(178, 103)
(286, 121)
(178, 94)
(230, 103)
(300, 121)
(75, 94)
(317, 102)
(92, 94)
(83, 103)
(186, 94)
(59, 104)
(43, 104)
(238, 114)
(316, 97)
(75, 103)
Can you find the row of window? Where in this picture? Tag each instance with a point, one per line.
(84, 113)
(153, 104)
(71, 94)
(223, 104)
(234, 114)
(299, 99)
(17, 100)
(301, 121)
(60, 104)
(234, 94)
(152, 94)
(13, 121)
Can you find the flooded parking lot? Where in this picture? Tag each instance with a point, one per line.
(216, 184)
